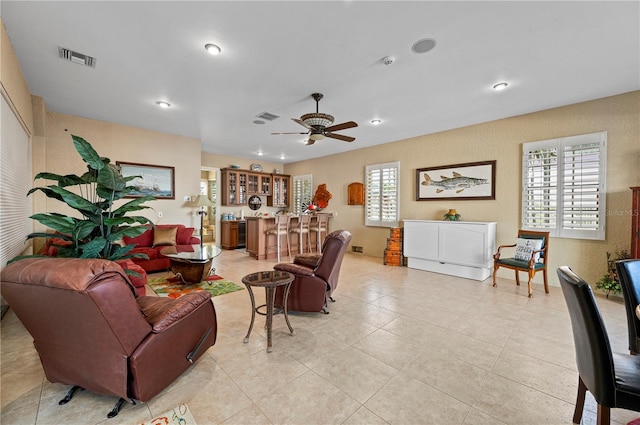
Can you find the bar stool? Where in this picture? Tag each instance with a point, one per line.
(303, 228)
(321, 224)
(281, 229)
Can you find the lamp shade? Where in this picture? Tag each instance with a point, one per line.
(202, 201)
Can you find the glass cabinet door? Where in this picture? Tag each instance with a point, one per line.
(265, 185)
(252, 181)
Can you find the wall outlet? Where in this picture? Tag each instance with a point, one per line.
(159, 214)
(356, 249)
(187, 199)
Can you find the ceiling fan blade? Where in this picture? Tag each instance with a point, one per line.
(343, 126)
(302, 123)
(309, 142)
(340, 137)
(306, 132)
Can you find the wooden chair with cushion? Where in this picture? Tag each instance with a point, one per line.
(281, 229)
(304, 220)
(531, 256)
(319, 227)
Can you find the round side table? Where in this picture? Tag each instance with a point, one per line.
(269, 280)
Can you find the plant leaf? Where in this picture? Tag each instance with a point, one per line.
(87, 153)
(120, 251)
(110, 178)
(83, 229)
(133, 205)
(56, 222)
(76, 201)
(93, 248)
(50, 193)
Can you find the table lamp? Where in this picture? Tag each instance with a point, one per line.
(202, 201)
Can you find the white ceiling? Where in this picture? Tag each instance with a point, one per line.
(275, 54)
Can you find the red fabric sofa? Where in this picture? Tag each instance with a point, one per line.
(50, 248)
(145, 245)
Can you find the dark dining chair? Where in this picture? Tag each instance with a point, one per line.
(629, 275)
(613, 379)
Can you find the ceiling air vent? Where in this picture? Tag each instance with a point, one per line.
(268, 116)
(76, 57)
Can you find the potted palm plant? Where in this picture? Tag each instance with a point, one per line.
(100, 224)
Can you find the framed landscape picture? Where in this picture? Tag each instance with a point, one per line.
(152, 180)
(473, 180)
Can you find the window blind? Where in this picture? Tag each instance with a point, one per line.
(302, 192)
(564, 186)
(15, 182)
(382, 193)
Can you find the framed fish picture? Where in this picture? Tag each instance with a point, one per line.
(473, 180)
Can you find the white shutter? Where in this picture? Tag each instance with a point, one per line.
(563, 186)
(302, 192)
(540, 186)
(382, 194)
(583, 189)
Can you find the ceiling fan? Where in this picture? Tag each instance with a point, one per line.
(319, 125)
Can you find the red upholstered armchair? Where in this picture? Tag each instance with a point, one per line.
(316, 275)
(91, 332)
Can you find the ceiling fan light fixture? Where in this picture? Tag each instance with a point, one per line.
(317, 119)
(316, 136)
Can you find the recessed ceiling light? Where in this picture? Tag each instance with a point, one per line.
(500, 86)
(163, 104)
(282, 157)
(376, 122)
(213, 49)
(260, 153)
(423, 46)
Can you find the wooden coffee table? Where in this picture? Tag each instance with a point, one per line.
(192, 266)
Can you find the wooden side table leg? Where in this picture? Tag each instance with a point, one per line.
(271, 296)
(253, 313)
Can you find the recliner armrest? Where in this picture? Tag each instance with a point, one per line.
(162, 313)
(307, 260)
(295, 269)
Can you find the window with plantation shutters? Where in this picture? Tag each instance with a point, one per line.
(302, 192)
(382, 194)
(563, 186)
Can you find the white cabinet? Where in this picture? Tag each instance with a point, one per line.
(458, 248)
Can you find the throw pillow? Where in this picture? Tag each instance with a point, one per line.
(183, 235)
(143, 239)
(164, 236)
(525, 247)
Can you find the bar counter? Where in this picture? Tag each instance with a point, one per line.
(258, 247)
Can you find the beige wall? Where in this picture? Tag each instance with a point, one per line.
(501, 141)
(129, 144)
(14, 86)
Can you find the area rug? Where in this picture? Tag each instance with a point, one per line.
(172, 287)
(180, 415)
(634, 422)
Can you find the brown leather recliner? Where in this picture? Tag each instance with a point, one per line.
(92, 332)
(316, 275)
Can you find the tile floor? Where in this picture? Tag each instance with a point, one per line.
(400, 346)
